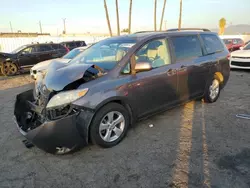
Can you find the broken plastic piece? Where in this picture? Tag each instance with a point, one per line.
(243, 116)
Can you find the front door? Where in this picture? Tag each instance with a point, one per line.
(28, 57)
(153, 89)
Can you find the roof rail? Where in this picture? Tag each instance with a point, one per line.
(143, 32)
(188, 29)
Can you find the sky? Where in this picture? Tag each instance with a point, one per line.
(89, 15)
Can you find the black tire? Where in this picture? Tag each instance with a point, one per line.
(94, 127)
(9, 69)
(207, 97)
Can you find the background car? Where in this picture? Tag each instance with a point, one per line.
(240, 59)
(73, 44)
(29, 55)
(42, 66)
(233, 44)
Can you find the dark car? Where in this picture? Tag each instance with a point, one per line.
(116, 82)
(28, 55)
(233, 44)
(73, 44)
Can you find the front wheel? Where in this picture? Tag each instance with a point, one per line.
(212, 92)
(109, 125)
(9, 68)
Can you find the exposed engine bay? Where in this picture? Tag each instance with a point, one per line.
(48, 85)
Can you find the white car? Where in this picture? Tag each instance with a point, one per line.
(240, 59)
(42, 66)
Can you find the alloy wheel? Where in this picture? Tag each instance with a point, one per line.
(214, 89)
(112, 126)
(9, 68)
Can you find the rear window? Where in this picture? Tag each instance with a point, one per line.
(187, 47)
(212, 43)
(80, 43)
(69, 44)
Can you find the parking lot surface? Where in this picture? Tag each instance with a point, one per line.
(194, 145)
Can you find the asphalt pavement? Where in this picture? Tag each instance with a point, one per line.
(194, 145)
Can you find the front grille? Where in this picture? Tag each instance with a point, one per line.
(241, 57)
(240, 64)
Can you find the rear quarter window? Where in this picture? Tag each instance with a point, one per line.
(212, 43)
(186, 47)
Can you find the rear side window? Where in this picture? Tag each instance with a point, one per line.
(70, 45)
(212, 43)
(44, 48)
(187, 47)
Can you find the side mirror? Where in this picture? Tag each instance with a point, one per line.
(241, 48)
(143, 66)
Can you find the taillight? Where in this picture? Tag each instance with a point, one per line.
(67, 50)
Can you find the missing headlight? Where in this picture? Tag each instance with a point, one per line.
(59, 112)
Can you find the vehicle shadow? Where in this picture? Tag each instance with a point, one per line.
(206, 155)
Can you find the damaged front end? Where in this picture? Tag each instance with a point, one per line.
(46, 115)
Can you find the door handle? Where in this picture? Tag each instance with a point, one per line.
(183, 68)
(171, 72)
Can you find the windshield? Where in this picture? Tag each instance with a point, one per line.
(19, 49)
(72, 53)
(106, 54)
(247, 47)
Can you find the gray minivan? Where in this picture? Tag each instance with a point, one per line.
(116, 82)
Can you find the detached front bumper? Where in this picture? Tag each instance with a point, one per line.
(57, 136)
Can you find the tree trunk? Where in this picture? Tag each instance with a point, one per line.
(155, 15)
(107, 17)
(162, 14)
(180, 16)
(129, 18)
(117, 18)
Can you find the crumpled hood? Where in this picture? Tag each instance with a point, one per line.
(241, 53)
(60, 75)
(45, 64)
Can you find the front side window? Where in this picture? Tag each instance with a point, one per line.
(155, 52)
(28, 50)
(212, 43)
(186, 47)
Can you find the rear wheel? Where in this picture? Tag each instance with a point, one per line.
(9, 69)
(109, 125)
(212, 92)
